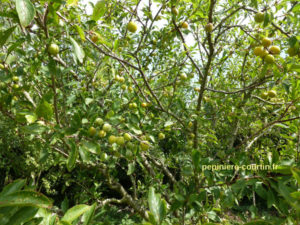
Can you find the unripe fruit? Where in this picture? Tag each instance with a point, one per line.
(120, 141)
(259, 17)
(15, 78)
(130, 88)
(209, 27)
(53, 49)
(143, 138)
(112, 139)
(144, 145)
(275, 50)
(144, 104)
(197, 89)
(132, 27)
(2, 67)
(266, 42)
(272, 93)
(106, 127)
(127, 137)
(16, 86)
(95, 37)
(124, 87)
(161, 136)
(293, 108)
(122, 79)
(183, 76)
(92, 131)
(292, 52)
(101, 133)
(190, 124)
(174, 11)
(190, 143)
(99, 121)
(185, 25)
(264, 53)
(269, 58)
(192, 135)
(264, 95)
(133, 105)
(258, 51)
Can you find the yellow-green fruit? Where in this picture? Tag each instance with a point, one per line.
(144, 104)
(269, 58)
(99, 121)
(161, 136)
(106, 127)
(15, 98)
(117, 78)
(192, 135)
(127, 137)
(275, 50)
(143, 138)
(15, 78)
(95, 37)
(130, 88)
(190, 143)
(16, 86)
(183, 76)
(2, 67)
(266, 42)
(124, 87)
(264, 53)
(272, 93)
(293, 108)
(101, 133)
(144, 145)
(174, 11)
(132, 27)
(92, 131)
(122, 79)
(264, 95)
(259, 17)
(53, 49)
(185, 25)
(292, 52)
(258, 51)
(120, 141)
(112, 139)
(209, 27)
(190, 124)
(197, 89)
(132, 105)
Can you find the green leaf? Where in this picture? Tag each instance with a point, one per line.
(295, 195)
(157, 206)
(266, 20)
(88, 215)
(72, 2)
(99, 10)
(72, 156)
(44, 110)
(4, 35)
(26, 11)
(295, 67)
(24, 214)
(77, 50)
(258, 222)
(34, 129)
(13, 187)
(25, 198)
(91, 147)
(296, 174)
(80, 32)
(75, 212)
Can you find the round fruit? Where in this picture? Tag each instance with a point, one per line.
(183, 76)
(132, 105)
(120, 141)
(102, 133)
(16, 86)
(259, 17)
(112, 139)
(143, 138)
(2, 67)
(264, 95)
(190, 124)
(145, 145)
(266, 42)
(117, 78)
(130, 88)
(185, 25)
(264, 53)
(293, 108)
(122, 79)
(144, 104)
(272, 93)
(197, 89)
(92, 131)
(192, 135)
(99, 121)
(95, 37)
(132, 27)
(53, 49)
(106, 127)
(269, 58)
(124, 87)
(161, 136)
(190, 143)
(127, 137)
(258, 51)
(174, 11)
(15, 78)
(292, 52)
(275, 50)
(209, 27)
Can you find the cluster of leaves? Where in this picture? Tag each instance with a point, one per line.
(185, 96)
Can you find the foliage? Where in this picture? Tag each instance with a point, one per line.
(121, 126)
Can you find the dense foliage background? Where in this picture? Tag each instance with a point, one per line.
(113, 115)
